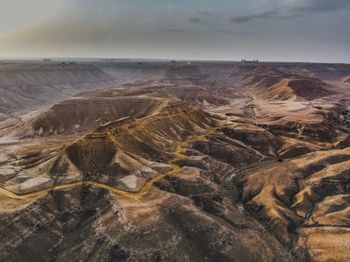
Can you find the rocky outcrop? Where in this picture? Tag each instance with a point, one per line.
(6, 173)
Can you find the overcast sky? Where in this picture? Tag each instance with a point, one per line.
(283, 30)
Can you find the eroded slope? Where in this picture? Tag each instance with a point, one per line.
(257, 172)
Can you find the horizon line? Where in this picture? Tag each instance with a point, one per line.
(58, 59)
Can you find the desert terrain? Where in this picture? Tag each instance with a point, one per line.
(174, 161)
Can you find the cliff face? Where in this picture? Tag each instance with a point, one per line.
(27, 85)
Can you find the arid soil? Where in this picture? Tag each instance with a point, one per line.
(159, 161)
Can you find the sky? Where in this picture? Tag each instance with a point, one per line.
(269, 30)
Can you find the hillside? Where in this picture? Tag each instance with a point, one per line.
(27, 85)
(293, 89)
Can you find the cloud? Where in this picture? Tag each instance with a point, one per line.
(183, 28)
(294, 9)
(318, 5)
(205, 13)
(269, 15)
(195, 20)
(247, 18)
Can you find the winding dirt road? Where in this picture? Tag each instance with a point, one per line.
(175, 168)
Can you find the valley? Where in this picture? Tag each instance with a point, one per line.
(174, 161)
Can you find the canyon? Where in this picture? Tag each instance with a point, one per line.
(174, 161)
